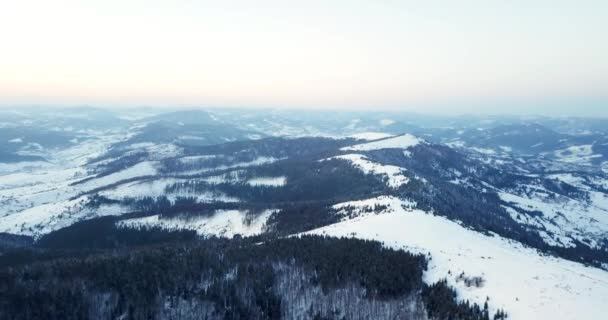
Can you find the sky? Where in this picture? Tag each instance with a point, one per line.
(486, 56)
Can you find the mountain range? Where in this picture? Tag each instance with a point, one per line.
(488, 216)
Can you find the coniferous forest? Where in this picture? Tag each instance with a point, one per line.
(183, 277)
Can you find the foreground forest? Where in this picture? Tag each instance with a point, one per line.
(189, 278)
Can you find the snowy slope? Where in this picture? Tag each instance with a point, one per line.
(142, 169)
(223, 223)
(393, 174)
(401, 142)
(518, 279)
(267, 181)
(582, 154)
(256, 162)
(158, 187)
(45, 218)
(563, 218)
(237, 176)
(42, 199)
(36, 202)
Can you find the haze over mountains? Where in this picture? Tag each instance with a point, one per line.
(459, 203)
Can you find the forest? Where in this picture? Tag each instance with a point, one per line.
(182, 277)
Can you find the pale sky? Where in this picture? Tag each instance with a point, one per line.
(450, 56)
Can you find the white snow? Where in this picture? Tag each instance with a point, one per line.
(223, 223)
(393, 174)
(189, 137)
(254, 136)
(195, 159)
(456, 144)
(156, 151)
(360, 208)
(37, 198)
(138, 189)
(49, 217)
(145, 168)
(237, 177)
(32, 149)
(386, 122)
(582, 154)
(281, 129)
(135, 115)
(352, 124)
(267, 181)
(163, 151)
(158, 188)
(483, 150)
(370, 136)
(20, 167)
(568, 178)
(400, 142)
(565, 218)
(526, 284)
(230, 177)
(255, 162)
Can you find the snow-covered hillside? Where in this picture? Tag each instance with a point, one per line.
(541, 182)
(159, 187)
(224, 223)
(392, 174)
(44, 198)
(527, 284)
(400, 142)
(563, 219)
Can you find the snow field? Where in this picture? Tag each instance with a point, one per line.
(520, 280)
(223, 223)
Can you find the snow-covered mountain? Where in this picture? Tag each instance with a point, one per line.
(515, 278)
(507, 209)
